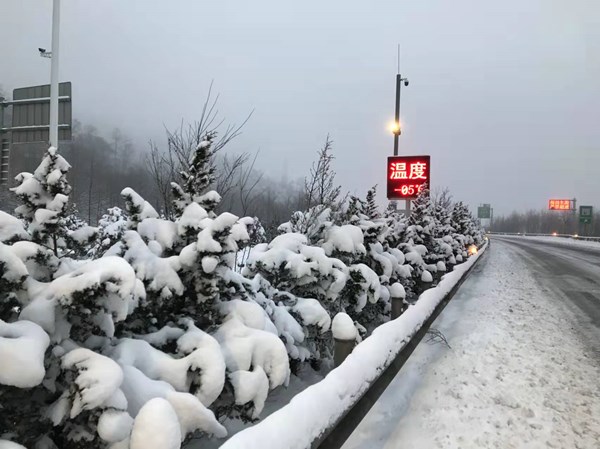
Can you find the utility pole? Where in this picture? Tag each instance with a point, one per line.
(53, 131)
(397, 129)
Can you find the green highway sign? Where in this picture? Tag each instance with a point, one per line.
(586, 214)
(484, 211)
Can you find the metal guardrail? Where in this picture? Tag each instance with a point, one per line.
(336, 435)
(533, 234)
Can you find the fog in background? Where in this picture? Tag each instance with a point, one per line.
(504, 96)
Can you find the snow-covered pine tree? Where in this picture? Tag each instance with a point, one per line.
(256, 235)
(442, 207)
(462, 225)
(137, 208)
(370, 208)
(353, 211)
(80, 238)
(397, 224)
(197, 181)
(419, 245)
(111, 227)
(44, 196)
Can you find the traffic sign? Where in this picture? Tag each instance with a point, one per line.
(407, 176)
(29, 128)
(484, 211)
(586, 214)
(560, 204)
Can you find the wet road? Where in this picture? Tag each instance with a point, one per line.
(571, 274)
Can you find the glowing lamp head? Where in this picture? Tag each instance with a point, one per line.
(554, 234)
(395, 127)
(576, 235)
(472, 250)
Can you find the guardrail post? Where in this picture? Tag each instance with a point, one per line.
(398, 306)
(344, 337)
(341, 350)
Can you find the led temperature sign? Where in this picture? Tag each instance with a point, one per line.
(407, 176)
(560, 204)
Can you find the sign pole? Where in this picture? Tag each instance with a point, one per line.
(575, 224)
(53, 132)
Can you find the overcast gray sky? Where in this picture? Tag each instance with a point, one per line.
(504, 96)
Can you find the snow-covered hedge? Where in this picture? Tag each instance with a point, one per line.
(319, 406)
(143, 332)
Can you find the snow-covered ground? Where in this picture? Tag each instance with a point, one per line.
(517, 375)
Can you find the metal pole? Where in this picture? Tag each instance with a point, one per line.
(575, 224)
(397, 113)
(54, 75)
(1, 117)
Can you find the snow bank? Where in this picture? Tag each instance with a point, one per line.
(312, 313)
(5, 444)
(14, 271)
(156, 427)
(163, 231)
(114, 425)
(191, 413)
(345, 239)
(250, 386)
(343, 327)
(160, 273)
(318, 407)
(98, 379)
(22, 348)
(11, 228)
(244, 347)
(205, 360)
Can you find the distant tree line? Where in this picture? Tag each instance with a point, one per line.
(545, 222)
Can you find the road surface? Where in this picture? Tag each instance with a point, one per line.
(570, 275)
(522, 368)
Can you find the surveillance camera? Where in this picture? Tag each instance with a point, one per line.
(406, 82)
(42, 50)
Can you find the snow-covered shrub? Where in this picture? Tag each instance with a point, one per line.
(382, 236)
(303, 282)
(467, 231)
(311, 223)
(290, 264)
(64, 378)
(111, 227)
(44, 196)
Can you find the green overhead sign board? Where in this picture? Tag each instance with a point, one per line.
(586, 213)
(484, 211)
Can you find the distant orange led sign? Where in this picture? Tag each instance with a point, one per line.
(557, 204)
(407, 176)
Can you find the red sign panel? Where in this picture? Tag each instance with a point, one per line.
(560, 204)
(407, 176)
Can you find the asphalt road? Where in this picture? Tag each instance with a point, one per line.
(571, 276)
